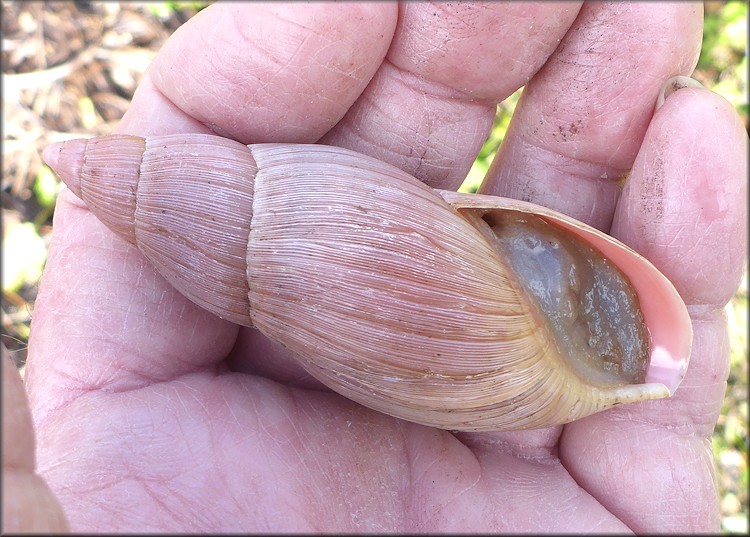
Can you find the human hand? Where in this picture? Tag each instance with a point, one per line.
(152, 414)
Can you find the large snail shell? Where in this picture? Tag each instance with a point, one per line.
(428, 305)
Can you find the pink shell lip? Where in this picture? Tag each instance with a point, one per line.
(666, 368)
(664, 311)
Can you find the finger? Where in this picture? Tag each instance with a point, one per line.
(683, 206)
(18, 436)
(580, 121)
(264, 72)
(431, 104)
(122, 325)
(28, 503)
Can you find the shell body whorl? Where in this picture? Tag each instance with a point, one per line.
(391, 293)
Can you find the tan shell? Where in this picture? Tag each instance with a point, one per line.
(389, 292)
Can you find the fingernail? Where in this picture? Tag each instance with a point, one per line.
(673, 84)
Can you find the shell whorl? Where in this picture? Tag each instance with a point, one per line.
(191, 217)
(385, 291)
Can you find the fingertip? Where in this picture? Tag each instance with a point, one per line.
(686, 102)
(673, 84)
(684, 205)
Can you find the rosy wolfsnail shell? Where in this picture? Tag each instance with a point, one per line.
(459, 311)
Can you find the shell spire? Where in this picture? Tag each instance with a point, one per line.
(458, 311)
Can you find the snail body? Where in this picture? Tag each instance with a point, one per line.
(459, 311)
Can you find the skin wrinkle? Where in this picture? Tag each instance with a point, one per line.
(570, 161)
(427, 124)
(419, 489)
(446, 505)
(528, 486)
(104, 381)
(102, 335)
(234, 418)
(429, 157)
(184, 520)
(318, 92)
(298, 76)
(196, 94)
(470, 11)
(427, 515)
(571, 501)
(259, 50)
(307, 29)
(194, 396)
(423, 86)
(687, 428)
(361, 114)
(700, 273)
(181, 121)
(308, 459)
(604, 454)
(686, 488)
(508, 443)
(409, 511)
(558, 164)
(302, 439)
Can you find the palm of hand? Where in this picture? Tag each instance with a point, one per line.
(156, 415)
(221, 452)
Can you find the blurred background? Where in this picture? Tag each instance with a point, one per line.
(70, 70)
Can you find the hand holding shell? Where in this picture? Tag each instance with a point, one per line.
(463, 312)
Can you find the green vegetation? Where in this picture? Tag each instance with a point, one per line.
(482, 163)
(166, 10)
(723, 61)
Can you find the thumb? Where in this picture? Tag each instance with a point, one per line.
(28, 504)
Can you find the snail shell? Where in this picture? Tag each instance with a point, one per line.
(459, 311)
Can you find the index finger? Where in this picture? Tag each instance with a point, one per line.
(685, 208)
